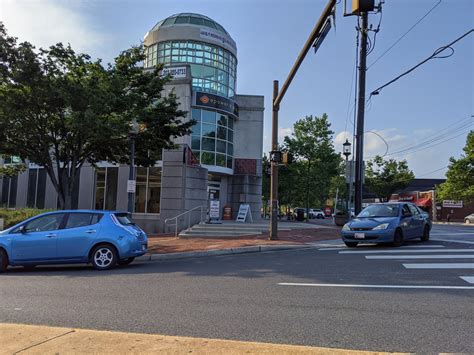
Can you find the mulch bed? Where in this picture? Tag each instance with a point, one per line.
(167, 243)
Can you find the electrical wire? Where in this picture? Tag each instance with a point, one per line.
(431, 172)
(432, 145)
(402, 36)
(383, 139)
(452, 129)
(375, 32)
(433, 56)
(354, 76)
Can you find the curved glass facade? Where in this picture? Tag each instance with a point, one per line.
(212, 138)
(213, 69)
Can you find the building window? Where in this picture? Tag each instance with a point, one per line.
(106, 188)
(9, 189)
(36, 188)
(148, 191)
(213, 68)
(212, 138)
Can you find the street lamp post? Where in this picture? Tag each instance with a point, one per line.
(131, 186)
(346, 150)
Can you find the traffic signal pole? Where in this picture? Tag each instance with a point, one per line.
(277, 97)
(359, 166)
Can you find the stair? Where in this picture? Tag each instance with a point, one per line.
(236, 229)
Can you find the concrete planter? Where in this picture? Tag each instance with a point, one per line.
(340, 219)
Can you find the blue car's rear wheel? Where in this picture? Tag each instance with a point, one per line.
(3, 261)
(104, 257)
(398, 238)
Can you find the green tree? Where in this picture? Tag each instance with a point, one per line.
(459, 184)
(316, 160)
(61, 110)
(384, 177)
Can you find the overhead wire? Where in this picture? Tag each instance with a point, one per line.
(452, 129)
(403, 35)
(432, 56)
(434, 171)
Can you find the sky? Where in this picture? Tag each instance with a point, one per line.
(424, 117)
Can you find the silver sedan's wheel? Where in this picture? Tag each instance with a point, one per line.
(468, 221)
(104, 257)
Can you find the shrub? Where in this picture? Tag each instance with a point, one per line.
(14, 216)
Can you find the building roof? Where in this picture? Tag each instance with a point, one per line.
(186, 18)
(422, 185)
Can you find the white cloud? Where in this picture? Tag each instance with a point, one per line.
(283, 132)
(44, 23)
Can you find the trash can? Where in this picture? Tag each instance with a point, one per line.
(300, 214)
(227, 213)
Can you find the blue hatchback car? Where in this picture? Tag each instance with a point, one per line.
(102, 238)
(387, 223)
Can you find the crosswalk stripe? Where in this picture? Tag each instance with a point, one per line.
(469, 279)
(453, 241)
(440, 266)
(372, 247)
(379, 286)
(392, 257)
(398, 250)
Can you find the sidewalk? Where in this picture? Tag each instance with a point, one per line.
(32, 339)
(169, 247)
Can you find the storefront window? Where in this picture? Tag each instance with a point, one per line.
(9, 189)
(106, 189)
(148, 192)
(36, 188)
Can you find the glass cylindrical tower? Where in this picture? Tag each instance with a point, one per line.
(211, 54)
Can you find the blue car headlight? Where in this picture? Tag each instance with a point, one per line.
(346, 227)
(381, 227)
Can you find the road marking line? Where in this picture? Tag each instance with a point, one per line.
(403, 247)
(459, 233)
(453, 241)
(440, 266)
(379, 286)
(380, 257)
(392, 251)
(469, 279)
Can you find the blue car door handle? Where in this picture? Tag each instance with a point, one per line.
(51, 235)
(91, 231)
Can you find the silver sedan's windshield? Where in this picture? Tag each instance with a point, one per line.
(385, 210)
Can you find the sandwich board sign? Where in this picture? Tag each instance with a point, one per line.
(244, 210)
(214, 211)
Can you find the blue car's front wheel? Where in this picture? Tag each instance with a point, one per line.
(3, 261)
(398, 238)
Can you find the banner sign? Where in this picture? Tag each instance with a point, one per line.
(175, 72)
(452, 204)
(217, 37)
(204, 99)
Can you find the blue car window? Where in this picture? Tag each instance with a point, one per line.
(46, 223)
(76, 220)
(382, 210)
(413, 210)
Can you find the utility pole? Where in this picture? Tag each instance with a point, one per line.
(359, 173)
(274, 161)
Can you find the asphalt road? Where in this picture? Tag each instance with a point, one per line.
(242, 297)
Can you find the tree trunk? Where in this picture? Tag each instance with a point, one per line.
(307, 191)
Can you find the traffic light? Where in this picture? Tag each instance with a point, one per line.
(286, 158)
(359, 6)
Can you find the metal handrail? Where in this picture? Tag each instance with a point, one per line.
(188, 212)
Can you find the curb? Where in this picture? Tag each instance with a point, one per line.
(218, 252)
(454, 224)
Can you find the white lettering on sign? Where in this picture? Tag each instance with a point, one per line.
(175, 72)
(452, 204)
(205, 33)
(214, 209)
(131, 186)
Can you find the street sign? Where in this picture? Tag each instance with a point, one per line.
(131, 186)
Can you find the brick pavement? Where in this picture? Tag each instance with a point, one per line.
(166, 243)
